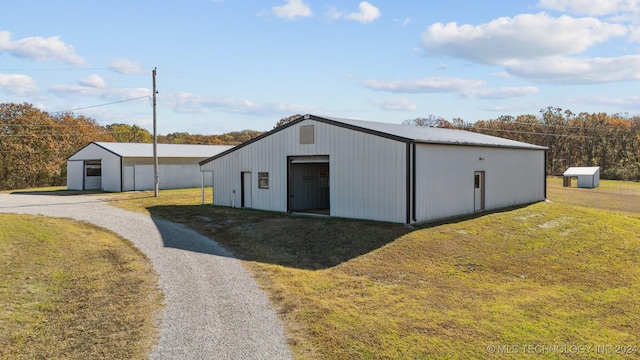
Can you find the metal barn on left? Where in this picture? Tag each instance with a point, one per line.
(118, 167)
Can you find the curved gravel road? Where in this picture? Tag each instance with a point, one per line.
(214, 308)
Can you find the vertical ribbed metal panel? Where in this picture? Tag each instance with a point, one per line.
(366, 173)
(75, 173)
(110, 165)
(445, 175)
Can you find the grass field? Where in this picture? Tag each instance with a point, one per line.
(549, 274)
(69, 290)
(555, 279)
(617, 196)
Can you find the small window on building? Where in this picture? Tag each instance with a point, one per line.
(263, 180)
(306, 134)
(94, 171)
(93, 168)
(477, 181)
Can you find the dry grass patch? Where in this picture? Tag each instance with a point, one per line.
(70, 290)
(516, 278)
(619, 196)
(545, 274)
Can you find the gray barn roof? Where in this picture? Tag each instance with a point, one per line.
(404, 133)
(431, 135)
(164, 150)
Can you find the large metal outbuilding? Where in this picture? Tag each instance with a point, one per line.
(120, 167)
(377, 171)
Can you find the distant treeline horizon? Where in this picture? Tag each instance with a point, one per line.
(34, 144)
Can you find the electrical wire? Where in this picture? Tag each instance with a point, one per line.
(95, 106)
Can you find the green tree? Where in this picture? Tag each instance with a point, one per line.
(129, 133)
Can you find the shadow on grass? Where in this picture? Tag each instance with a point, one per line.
(297, 241)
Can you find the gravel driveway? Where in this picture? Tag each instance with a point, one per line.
(214, 308)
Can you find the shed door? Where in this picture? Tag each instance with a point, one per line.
(128, 178)
(478, 191)
(93, 175)
(246, 189)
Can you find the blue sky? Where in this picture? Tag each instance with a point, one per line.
(228, 65)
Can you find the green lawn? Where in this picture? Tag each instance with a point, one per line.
(518, 280)
(555, 279)
(69, 290)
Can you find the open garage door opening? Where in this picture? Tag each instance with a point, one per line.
(308, 184)
(93, 175)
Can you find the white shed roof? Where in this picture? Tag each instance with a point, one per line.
(578, 171)
(164, 150)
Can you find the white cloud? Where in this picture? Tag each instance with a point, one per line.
(40, 49)
(626, 102)
(292, 10)
(366, 13)
(113, 94)
(333, 14)
(466, 88)
(634, 36)
(18, 84)
(124, 66)
(499, 93)
(394, 104)
(185, 102)
(565, 70)
(527, 36)
(426, 85)
(93, 80)
(591, 7)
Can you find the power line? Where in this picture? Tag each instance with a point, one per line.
(95, 106)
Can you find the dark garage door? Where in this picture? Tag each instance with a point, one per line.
(309, 184)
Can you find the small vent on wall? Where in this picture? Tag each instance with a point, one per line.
(306, 134)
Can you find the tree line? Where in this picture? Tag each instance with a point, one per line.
(34, 144)
(610, 141)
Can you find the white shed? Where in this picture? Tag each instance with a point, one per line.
(120, 167)
(377, 171)
(588, 177)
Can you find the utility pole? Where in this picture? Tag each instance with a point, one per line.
(156, 176)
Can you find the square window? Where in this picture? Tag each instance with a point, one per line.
(263, 180)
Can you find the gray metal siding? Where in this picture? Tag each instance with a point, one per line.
(371, 177)
(110, 165)
(364, 171)
(75, 174)
(175, 172)
(445, 178)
